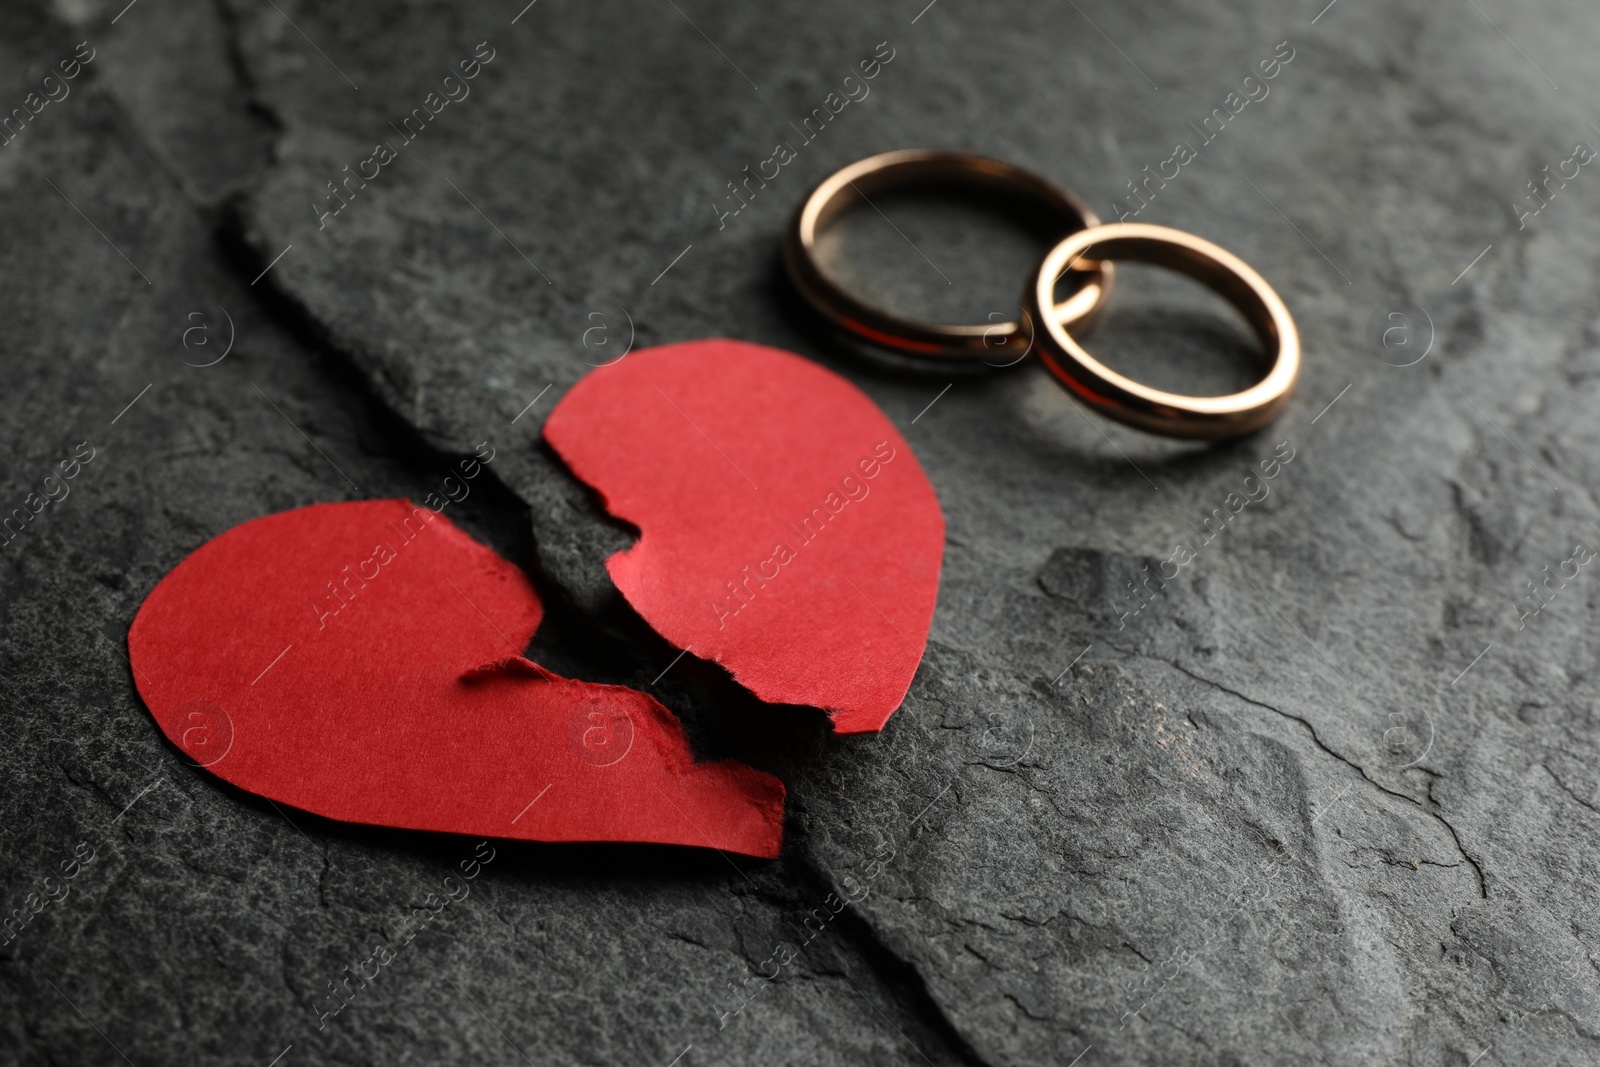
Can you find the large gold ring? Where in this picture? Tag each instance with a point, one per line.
(1054, 210)
(1127, 401)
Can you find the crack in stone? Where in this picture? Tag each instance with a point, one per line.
(1317, 740)
(893, 969)
(1568, 789)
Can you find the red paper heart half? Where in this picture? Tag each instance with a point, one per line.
(786, 530)
(363, 661)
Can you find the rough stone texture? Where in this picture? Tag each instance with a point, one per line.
(1281, 812)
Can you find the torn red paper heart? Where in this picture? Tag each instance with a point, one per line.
(786, 530)
(363, 661)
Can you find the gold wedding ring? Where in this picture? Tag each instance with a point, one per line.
(1052, 209)
(1127, 401)
(1046, 324)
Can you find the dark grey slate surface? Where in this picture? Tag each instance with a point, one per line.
(1324, 798)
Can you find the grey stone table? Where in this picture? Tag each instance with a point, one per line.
(1328, 795)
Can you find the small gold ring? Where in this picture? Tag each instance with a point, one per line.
(1054, 209)
(1123, 399)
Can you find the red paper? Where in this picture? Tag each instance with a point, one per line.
(786, 530)
(363, 661)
